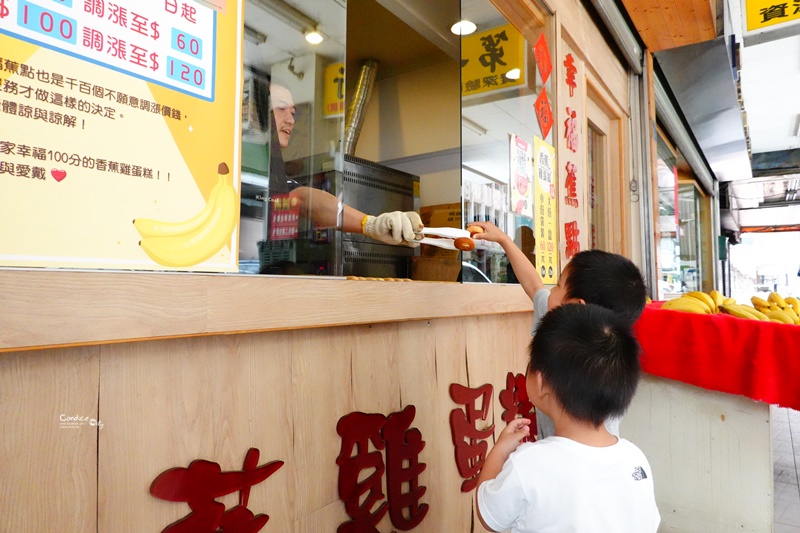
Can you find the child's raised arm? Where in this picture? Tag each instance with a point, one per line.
(526, 273)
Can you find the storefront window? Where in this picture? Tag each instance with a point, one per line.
(508, 159)
(292, 123)
(678, 233)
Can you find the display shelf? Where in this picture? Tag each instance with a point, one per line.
(753, 358)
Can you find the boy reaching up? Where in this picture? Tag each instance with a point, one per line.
(592, 276)
(584, 368)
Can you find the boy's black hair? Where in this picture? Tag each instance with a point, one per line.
(608, 280)
(589, 357)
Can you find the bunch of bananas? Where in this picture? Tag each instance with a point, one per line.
(775, 308)
(699, 302)
(778, 309)
(197, 239)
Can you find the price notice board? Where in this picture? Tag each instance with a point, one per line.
(119, 134)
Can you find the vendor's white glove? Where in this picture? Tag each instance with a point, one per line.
(394, 228)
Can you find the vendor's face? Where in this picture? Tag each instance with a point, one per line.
(284, 110)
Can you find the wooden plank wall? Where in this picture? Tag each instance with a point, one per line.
(166, 403)
(665, 24)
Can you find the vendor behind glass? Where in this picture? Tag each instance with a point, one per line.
(316, 205)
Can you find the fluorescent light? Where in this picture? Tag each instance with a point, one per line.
(254, 36)
(473, 126)
(314, 37)
(463, 27)
(513, 74)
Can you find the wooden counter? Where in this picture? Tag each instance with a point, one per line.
(307, 352)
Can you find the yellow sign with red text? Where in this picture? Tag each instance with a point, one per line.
(119, 140)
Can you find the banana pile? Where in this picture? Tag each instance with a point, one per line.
(774, 309)
(778, 309)
(197, 239)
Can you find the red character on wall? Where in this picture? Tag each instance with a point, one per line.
(202, 483)
(357, 431)
(572, 70)
(514, 398)
(571, 130)
(469, 441)
(403, 446)
(571, 233)
(571, 185)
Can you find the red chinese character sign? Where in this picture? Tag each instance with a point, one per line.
(571, 71)
(571, 131)
(470, 441)
(571, 185)
(120, 100)
(542, 54)
(284, 218)
(361, 468)
(573, 245)
(544, 114)
(514, 399)
(202, 483)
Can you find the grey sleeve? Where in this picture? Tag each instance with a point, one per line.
(539, 308)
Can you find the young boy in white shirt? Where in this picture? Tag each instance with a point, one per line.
(584, 368)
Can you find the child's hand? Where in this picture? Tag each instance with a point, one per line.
(512, 435)
(490, 232)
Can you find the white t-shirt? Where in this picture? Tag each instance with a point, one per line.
(557, 485)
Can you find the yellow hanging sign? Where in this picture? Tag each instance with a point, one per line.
(492, 60)
(333, 92)
(762, 14)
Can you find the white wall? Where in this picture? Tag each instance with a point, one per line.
(710, 454)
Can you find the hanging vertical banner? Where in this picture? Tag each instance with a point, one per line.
(546, 232)
(333, 91)
(119, 141)
(492, 60)
(521, 197)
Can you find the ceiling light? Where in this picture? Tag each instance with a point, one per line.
(254, 36)
(292, 16)
(314, 37)
(513, 74)
(463, 27)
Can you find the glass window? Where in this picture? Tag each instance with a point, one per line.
(500, 135)
(292, 123)
(678, 227)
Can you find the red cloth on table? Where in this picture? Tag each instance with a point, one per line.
(753, 358)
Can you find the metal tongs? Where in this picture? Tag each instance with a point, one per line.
(444, 237)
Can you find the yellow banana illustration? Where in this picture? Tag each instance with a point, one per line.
(780, 316)
(201, 244)
(717, 296)
(148, 227)
(728, 301)
(688, 305)
(759, 302)
(777, 299)
(702, 297)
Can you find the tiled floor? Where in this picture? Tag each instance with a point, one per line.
(786, 465)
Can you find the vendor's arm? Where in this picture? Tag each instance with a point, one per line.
(391, 228)
(526, 273)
